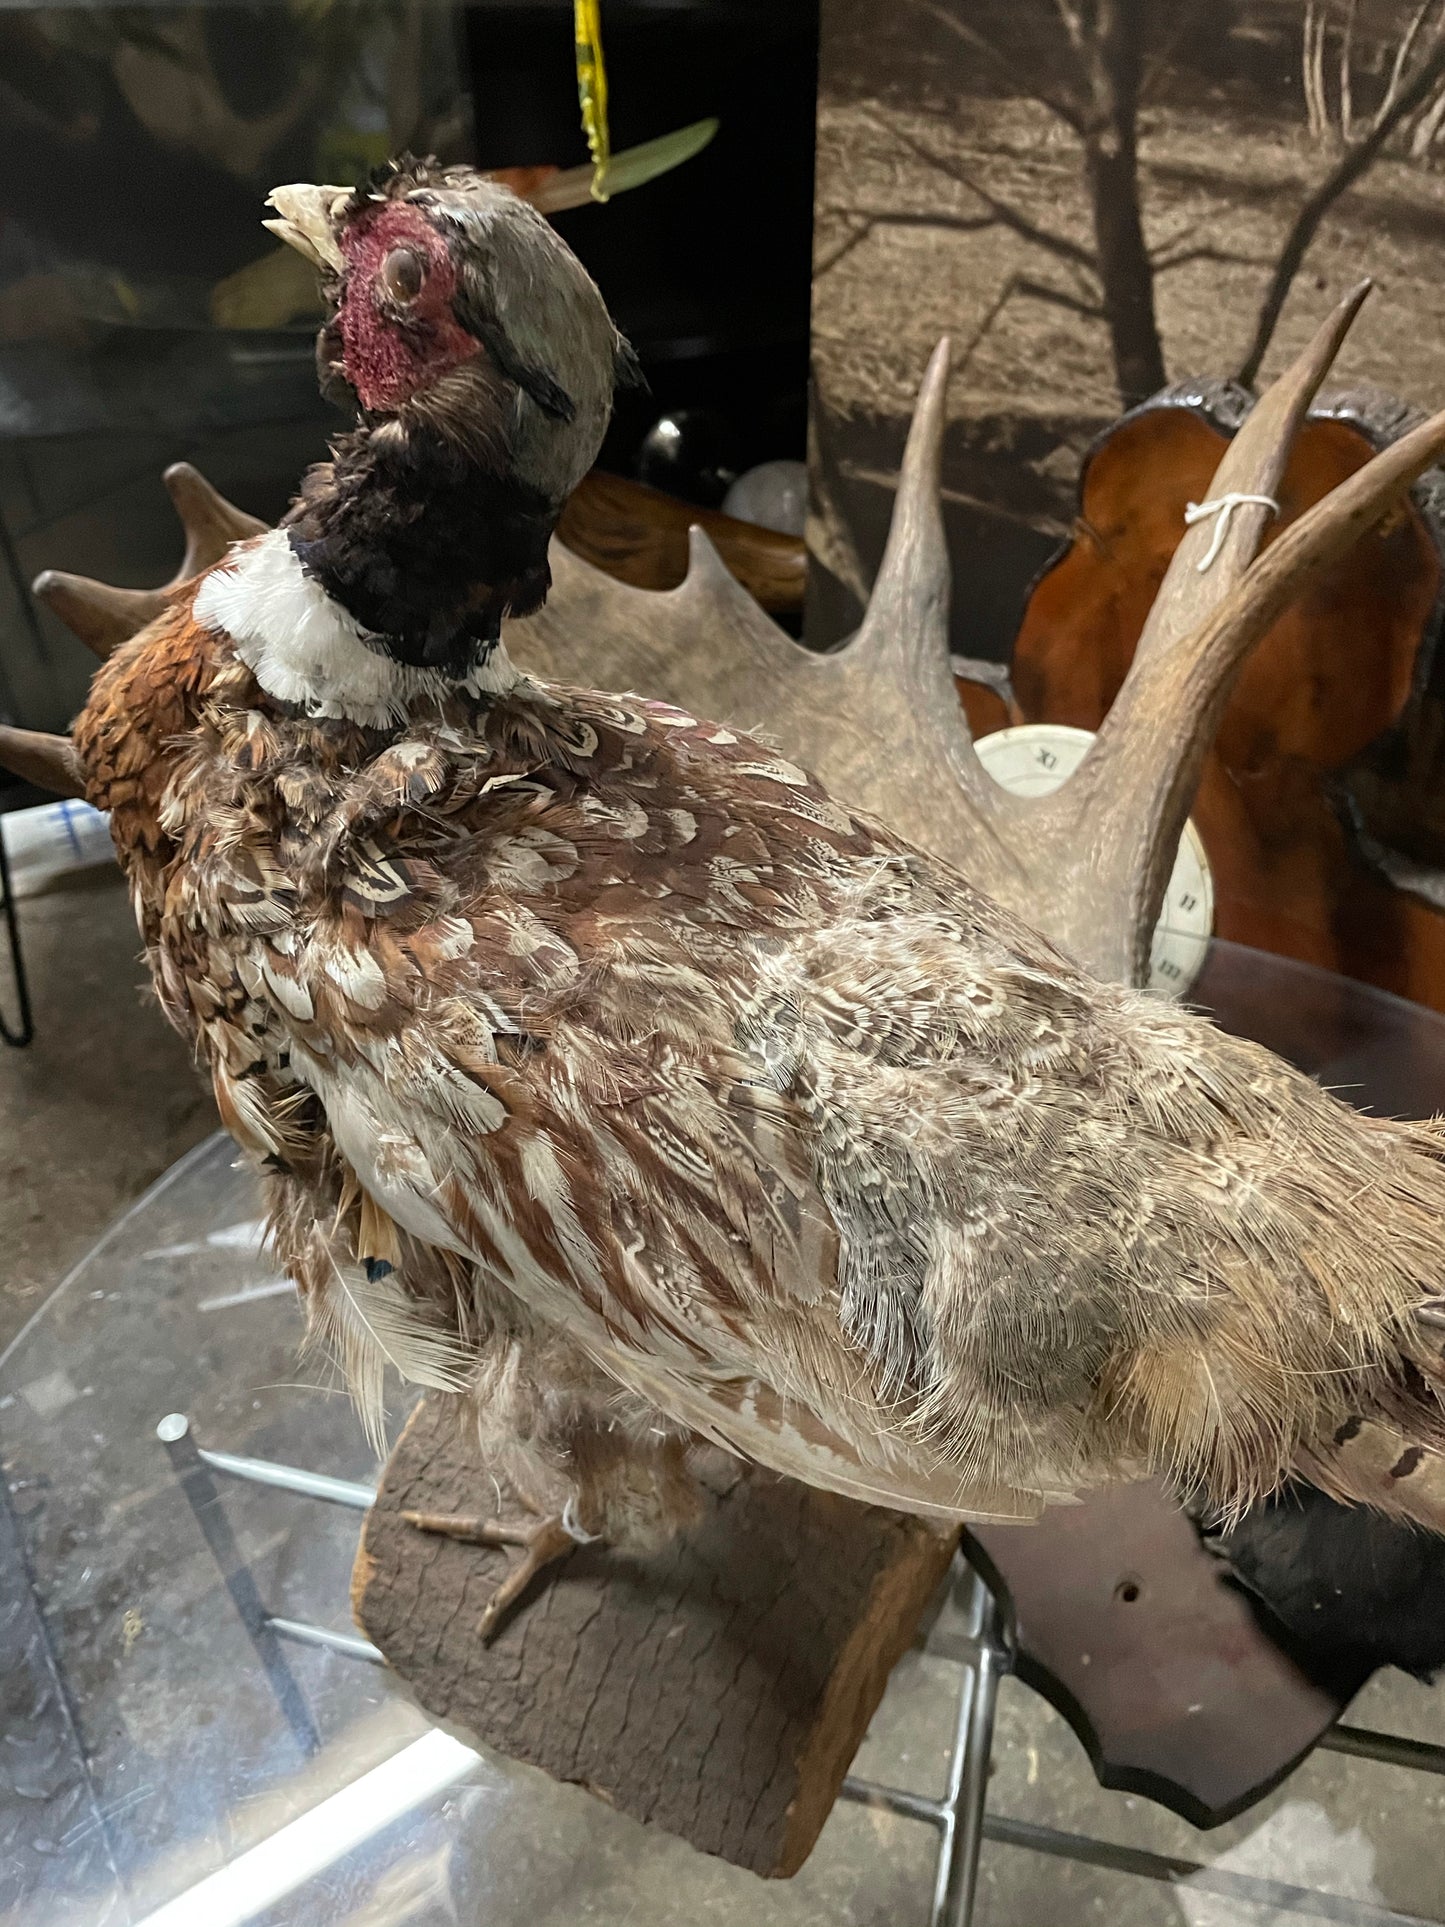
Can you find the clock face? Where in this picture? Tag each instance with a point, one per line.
(1034, 759)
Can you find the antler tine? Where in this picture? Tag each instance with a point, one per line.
(910, 593)
(1308, 546)
(1135, 826)
(1126, 804)
(50, 762)
(904, 632)
(211, 523)
(103, 617)
(1253, 464)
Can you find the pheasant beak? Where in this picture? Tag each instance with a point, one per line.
(306, 222)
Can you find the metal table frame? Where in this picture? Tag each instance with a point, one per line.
(959, 1816)
(23, 1032)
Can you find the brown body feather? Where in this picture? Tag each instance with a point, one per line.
(580, 1017)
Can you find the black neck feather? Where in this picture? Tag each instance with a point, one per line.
(423, 545)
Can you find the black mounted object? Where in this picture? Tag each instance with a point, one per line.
(706, 269)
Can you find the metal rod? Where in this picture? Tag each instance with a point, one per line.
(1137, 1860)
(24, 1031)
(1253, 1888)
(292, 1478)
(956, 1875)
(1364, 1744)
(199, 1487)
(893, 1799)
(350, 1645)
(959, 1816)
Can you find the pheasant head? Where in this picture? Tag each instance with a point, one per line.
(482, 362)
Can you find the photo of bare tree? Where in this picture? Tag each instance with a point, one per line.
(1095, 199)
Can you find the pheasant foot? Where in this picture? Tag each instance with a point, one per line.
(543, 1542)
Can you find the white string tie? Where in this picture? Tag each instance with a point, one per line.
(1223, 506)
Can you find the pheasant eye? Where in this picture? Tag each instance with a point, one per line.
(402, 273)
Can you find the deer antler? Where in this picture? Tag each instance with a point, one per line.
(1110, 834)
(104, 617)
(879, 718)
(48, 761)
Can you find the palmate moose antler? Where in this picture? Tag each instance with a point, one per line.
(879, 719)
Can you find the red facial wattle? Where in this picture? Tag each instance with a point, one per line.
(389, 355)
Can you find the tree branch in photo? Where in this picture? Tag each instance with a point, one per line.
(1069, 110)
(826, 262)
(1405, 50)
(1006, 216)
(867, 222)
(1059, 298)
(1113, 62)
(1312, 68)
(1163, 263)
(1103, 40)
(1355, 161)
(1347, 51)
(1073, 24)
(1423, 33)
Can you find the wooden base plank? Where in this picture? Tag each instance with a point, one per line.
(718, 1688)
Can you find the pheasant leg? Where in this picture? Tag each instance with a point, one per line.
(543, 1541)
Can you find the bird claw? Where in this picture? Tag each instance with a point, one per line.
(543, 1542)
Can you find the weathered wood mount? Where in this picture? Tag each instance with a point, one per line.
(721, 1688)
(718, 1688)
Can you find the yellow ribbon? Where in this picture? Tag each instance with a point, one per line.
(592, 90)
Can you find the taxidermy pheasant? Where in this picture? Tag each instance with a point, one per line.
(611, 1072)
